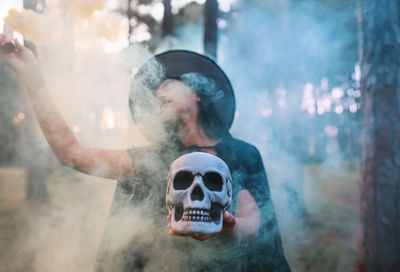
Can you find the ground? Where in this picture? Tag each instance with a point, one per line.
(332, 226)
(65, 235)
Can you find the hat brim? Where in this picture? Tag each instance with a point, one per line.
(174, 64)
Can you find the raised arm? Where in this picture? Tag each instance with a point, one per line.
(114, 164)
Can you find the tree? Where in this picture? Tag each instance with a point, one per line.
(167, 19)
(210, 28)
(36, 170)
(380, 85)
(130, 8)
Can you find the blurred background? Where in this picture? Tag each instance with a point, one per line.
(295, 71)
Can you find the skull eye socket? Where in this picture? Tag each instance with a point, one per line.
(213, 181)
(182, 180)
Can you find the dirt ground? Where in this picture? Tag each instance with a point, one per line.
(329, 242)
(65, 235)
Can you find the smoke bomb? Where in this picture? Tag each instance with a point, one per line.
(8, 44)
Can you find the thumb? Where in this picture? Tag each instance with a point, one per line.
(229, 220)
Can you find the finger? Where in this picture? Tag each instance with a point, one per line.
(173, 233)
(201, 237)
(229, 219)
(18, 45)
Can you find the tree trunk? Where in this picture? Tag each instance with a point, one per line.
(210, 28)
(30, 4)
(36, 172)
(130, 15)
(167, 19)
(379, 28)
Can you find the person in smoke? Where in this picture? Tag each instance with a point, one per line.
(193, 100)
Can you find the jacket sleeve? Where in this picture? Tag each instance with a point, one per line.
(266, 252)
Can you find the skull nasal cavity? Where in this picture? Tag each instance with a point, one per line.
(197, 194)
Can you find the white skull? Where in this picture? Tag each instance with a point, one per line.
(199, 190)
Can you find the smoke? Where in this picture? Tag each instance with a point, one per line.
(83, 19)
(203, 86)
(269, 50)
(90, 88)
(293, 48)
(81, 8)
(274, 51)
(33, 25)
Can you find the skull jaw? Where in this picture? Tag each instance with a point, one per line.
(190, 227)
(196, 227)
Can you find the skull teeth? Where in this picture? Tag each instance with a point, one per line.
(196, 214)
(197, 218)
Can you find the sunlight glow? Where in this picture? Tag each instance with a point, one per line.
(357, 72)
(308, 102)
(353, 107)
(281, 102)
(141, 34)
(267, 112)
(337, 92)
(324, 83)
(108, 120)
(339, 109)
(76, 129)
(331, 131)
(357, 93)
(156, 10)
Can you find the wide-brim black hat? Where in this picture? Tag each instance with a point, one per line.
(173, 64)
